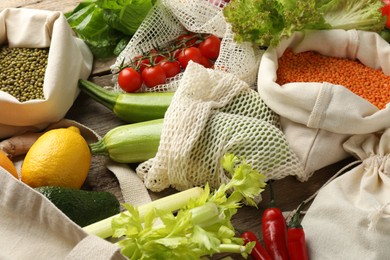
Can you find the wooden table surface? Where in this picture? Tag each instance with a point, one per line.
(289, 192)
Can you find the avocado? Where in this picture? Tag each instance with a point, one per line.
(83, 207)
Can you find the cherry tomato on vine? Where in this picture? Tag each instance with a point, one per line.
(153, 76)
(171, 68)
(219, 3)
(174, 54)
(188, 40)
(141, 63)
(191, 53)
(129, 80)
(156, 56)
(206, 62)
(210, 47)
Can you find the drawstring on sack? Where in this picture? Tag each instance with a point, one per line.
(378, 213)
(289, 214)
(337, 174)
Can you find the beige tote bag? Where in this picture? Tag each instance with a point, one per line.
(317, 118)
(350, 216)
(69, 60)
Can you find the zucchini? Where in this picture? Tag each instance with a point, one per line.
(131, 143)
(129, 107)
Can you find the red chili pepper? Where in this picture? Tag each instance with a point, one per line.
(258, 252)
(296, 240)
(274, 230)
(386, 12)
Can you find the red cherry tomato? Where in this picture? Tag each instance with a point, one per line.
(188, 40)
(174, 54)
(206, 62)
(129, 80)
(191, 53)
(156, 56)
(210, 47)
(219, 3)
(141, 63)
(171, 68)
(153, 76)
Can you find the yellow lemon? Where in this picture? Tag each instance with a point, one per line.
(60, 157)
(7, 164)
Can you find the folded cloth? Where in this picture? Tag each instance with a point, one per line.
(32, 227)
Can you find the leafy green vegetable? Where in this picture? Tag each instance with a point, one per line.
(121, 45)
(266, 22)
(126, 15)
(89, 24)
(362, 15)
(106, 24)
(202, 227)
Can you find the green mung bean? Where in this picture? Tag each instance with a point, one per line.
(22, 71)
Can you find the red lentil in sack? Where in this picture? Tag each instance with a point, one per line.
(309, 66)
(318, 114)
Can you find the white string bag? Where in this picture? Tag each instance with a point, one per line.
(349, 218)
(317, 118)
(213, 113)
(168, 19)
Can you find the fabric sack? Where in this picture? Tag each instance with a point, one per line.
(69, 60)
(32, 227)
(317, 118)
(349, 218)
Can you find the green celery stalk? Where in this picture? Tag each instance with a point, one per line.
(201, 227)
(172, 202)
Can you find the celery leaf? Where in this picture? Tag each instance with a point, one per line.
(203, 227)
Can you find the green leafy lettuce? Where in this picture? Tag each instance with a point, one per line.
(202, 227)
(106, 25)
(126, 15)
(266, 22)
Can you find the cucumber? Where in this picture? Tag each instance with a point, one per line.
(129, 107)
(81, 206)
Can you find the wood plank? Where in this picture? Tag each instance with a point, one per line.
(54, 5)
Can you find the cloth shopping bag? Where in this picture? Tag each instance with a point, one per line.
(350, 216)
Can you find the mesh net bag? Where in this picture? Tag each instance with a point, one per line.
(169, 19)
(213, 113)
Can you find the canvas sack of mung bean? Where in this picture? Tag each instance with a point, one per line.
(170, 19)
(214, 113)
(41, 62)
(326, 86)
